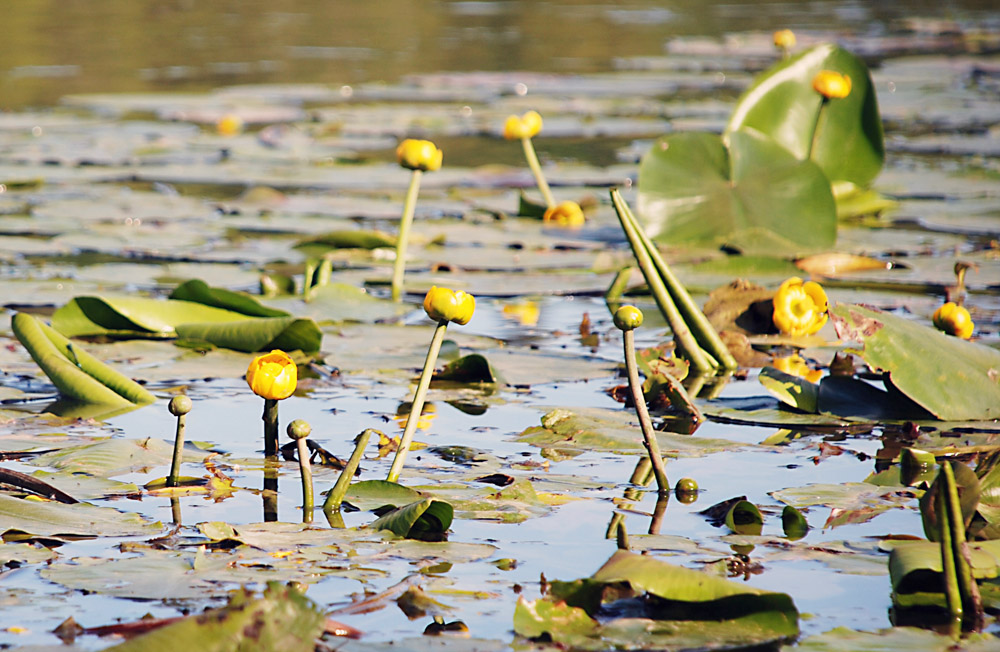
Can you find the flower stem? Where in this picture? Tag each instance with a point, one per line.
(336, 495)
(952, 595)
(536, 169)
(815, 134)
(648, 436)
(417, 405)
(972, 604)
(270, 418)
(409, 206)
(175, 466)
(307, 480)
(269, 495)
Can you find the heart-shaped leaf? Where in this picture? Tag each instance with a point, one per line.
(848, 143)
(749, 194)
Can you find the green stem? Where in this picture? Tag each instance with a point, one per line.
(815, 134)
(648, 435)
(536, 169)
(409, 206)
(622, 536)
(656, 522)
(705, 334)
(175, 466)
(307, 480)
(641, 475)
(336, 495)
(269, 496)
(175, 509)
(952, 595)
(417, 405)
(682, 334)
(677, 390)
(270, 418)
(972, 605)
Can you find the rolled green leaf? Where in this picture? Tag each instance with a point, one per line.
(199, 291)
(77, 374)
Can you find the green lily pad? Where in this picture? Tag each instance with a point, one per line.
(425, 518)
(745, 192)
(199, 291)
(897, 639)
(472, 368)
(781, 103)
(45, 518)
(372, 494)
(951, 378)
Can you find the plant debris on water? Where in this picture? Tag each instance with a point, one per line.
(442, 334)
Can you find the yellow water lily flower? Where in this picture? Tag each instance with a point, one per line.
(229, 124)
(443, 304)
(272, 375)
(567, 213)
(799, 308)
(525, 126)
(420, 155)
(797, 366)
(526, 312)
(954, 320)
(831, 84)
(784, 39)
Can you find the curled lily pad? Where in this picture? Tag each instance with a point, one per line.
(77, 374)
(426, 519)
(199, 291)
(472, 368)
(744, 518)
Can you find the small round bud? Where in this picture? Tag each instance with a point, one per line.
(686, 485)
(628, 318)
(179, 405)
(299, 429)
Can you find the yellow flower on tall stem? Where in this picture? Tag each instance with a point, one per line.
(830, 85)
(419, 156)
(523, 128)
(799, 308)
(443, 305)
(272, 376)
(784, 40)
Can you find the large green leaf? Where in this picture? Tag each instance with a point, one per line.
(747, 192)
(951, 378)
(782, 104)
(264, 334)
(283, 619)
(77, 374)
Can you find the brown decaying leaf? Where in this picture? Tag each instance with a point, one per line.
(835, 263)
(741, 306)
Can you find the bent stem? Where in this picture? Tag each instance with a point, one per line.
(307, 480)
(417, 405)
(972, 603)
(536, 169)
(270, 418)
(648, 436)
(952, 595)
(336, 495)
(175, 466)
(409, 206)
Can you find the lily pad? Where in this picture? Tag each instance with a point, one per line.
(423, 519)
(44, 518)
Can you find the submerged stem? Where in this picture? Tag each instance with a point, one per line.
(417, 405)
(536, 169)
(409, 206)
(648, 435)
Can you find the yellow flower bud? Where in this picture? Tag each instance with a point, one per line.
(229, 124)
(831, 84)
(443, 304)
(420, 155)
(628, 318)
(567, 213)
(954, 320)
(784, 39)
(272, 375)
(526, 126)
(799, 308)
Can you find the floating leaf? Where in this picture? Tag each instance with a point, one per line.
(472, 368)
(263, 334)
(951, 378)
(199, 291)
(744, 518)
(372, 494)
(46, 518)
(793, 523)
(347, 239)
(791, 390)
(747, 193)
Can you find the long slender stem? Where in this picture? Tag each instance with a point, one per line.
(685, 340)
(705, 334)
(409, 206)
(269, 496)
(270, 418)
(307, 480)
(336, 495)
(417, 405)
(952, 595)
(536, 169)
(648, 435)
(175, 466)
(972, 605)
(815, 134)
